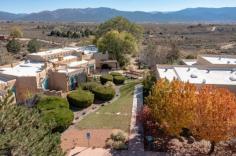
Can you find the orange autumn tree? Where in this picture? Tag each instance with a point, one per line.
(215, 115)
(172, 105)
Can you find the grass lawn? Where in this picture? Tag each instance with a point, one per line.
(116, 115)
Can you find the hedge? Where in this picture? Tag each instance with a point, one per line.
(61, 116)
(80, 99)
(89, 85)
(103, 93)
(118, 80)
(115, 74)
(55, 110)
(51, 102)
(105, 78)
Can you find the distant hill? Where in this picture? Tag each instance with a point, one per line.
(217, 15)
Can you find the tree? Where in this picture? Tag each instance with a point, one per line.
(33, 46)
(13, 46)
(215, 115)
(120, 24)
(173, 54)
(16, 32)
(22, 131)
(87, 32)
(118, 45)
(172, 104)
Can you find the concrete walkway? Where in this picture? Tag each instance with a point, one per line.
(136, 129)
(136, 146)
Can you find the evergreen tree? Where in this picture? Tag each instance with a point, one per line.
(22, 131)
(33, 46)
(13, 46)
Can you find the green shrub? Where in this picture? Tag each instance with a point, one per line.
(51, 102)
(118, 80)
(190, 56)
(80, 98)
(55, 110)
(61, 116)
(115, 74)
(103, 93)
(89, 85)
(105, 78)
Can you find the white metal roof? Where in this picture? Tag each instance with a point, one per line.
(168, 73)
(199, 76)
(220, 60)
(23, 69)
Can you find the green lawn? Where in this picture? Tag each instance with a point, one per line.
(107, 117)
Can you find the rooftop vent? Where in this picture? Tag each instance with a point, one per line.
(194, 76)
(166, 69)
(204, 81)
(232, 78)
(189, 69)
(219, 57)
(228, 62)
(208, 70)
(233, 70)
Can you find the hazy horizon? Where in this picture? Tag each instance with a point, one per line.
(31, 6)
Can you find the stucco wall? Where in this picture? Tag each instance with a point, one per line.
(25, 88)
(58, 81)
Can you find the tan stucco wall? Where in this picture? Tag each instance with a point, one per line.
(58, 81)
(25, 87)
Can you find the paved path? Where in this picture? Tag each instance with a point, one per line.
(136, 146)
(136, 129)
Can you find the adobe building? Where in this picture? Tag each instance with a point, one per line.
(103, 61)
(218, 70)
(52, 72)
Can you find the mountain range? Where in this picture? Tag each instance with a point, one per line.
(215, 15)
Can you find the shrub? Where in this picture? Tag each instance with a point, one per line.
(55, 109)
(103, 93)
(190, 57)
(89, 85)
(51, 102)
(80, 99)
(33, 46)
(62, 117)
(13, 46)
(118, 80)
(117, 141)
(105, 78)
(115, 74)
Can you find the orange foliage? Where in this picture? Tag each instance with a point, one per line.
(172, 105)
(208, 112)
(215, 114)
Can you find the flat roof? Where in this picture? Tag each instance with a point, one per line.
(68, 70)
(77, 63)
(23, 69)
(220, 59)
(64, 58)
(168, 73)
(199, 76)
(52, 51)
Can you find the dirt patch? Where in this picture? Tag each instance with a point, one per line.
(74, 137)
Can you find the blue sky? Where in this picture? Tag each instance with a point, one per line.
(27, 6)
